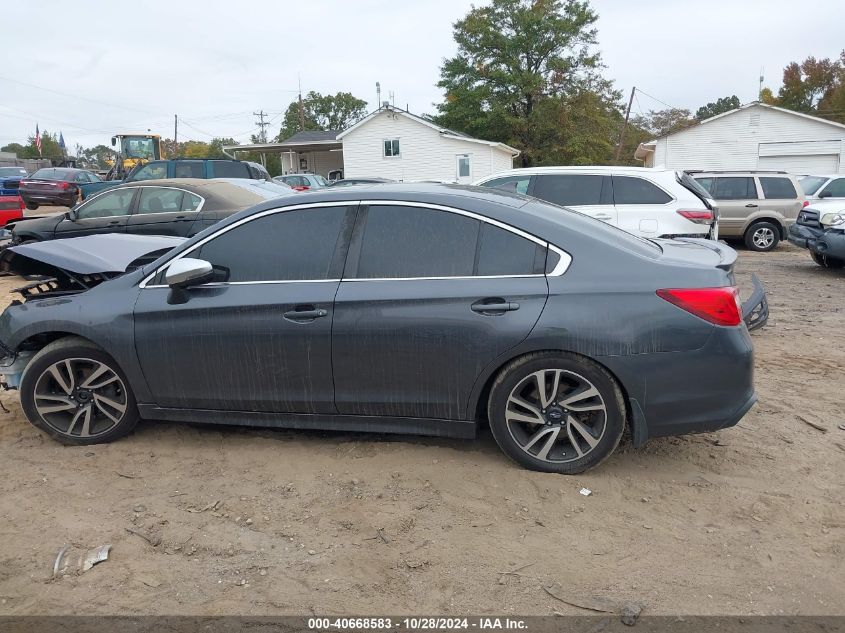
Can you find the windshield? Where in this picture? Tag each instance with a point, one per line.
(811, 184)
(6, 172)
(139, 147)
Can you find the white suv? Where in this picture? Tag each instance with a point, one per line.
(643, 201)
(823, 187)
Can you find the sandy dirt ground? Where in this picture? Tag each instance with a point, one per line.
(746, 521)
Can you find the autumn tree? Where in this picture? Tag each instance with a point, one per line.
(808, 83)
(322, 112)
(526, 74)
(720, 106)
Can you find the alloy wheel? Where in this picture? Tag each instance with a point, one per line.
(80, 397)
(763, 237)
(556, 415)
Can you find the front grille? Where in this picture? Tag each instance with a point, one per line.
(11, 185)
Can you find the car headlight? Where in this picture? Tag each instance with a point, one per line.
(833, 219)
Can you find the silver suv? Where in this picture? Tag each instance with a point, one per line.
(757, 206)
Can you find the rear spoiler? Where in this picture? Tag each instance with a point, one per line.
(727, 255)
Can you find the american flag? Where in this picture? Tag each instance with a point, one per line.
(38, 139)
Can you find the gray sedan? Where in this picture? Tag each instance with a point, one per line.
(421, 309)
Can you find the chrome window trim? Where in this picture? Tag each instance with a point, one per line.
(132, 215)
(559, 269)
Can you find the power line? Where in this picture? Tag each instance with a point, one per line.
(645, 94)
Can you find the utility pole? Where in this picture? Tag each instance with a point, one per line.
(175, 129)
(760, 87)
(625, 125)
(301, 107)
(262, 135)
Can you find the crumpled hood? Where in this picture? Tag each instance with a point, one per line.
(107, 253)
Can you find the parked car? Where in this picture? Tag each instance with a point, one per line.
(59, 186)
(179, 207)
(10, 179)
(427, 311)
(346, 182)
(11, 208)
(303, 182)
(185, 168)
(820, 228)
(757, 206)
(822, 187)
(645, 202)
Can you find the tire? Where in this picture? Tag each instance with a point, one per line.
(572, 434)
(762, 236)
(826, 261)
(32, 206)
(57, 400)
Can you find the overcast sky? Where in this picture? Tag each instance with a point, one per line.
(90, 72)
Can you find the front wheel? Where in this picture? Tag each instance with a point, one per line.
(826, 261)
(556, 412)
(32, 206)
(76, 393)
(762, 236)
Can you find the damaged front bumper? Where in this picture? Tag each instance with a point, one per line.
(817, 240)
(12, 367)
(755, 311)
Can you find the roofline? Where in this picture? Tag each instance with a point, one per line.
(442, 130)
(745, 106)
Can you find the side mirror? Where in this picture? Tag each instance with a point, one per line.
(187, 272)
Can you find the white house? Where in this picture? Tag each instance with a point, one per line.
(754, 136)
(390, 143)
(395, 144)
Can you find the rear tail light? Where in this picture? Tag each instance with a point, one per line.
(806, 204)
(64, 184)
(697, 216)
(716, 305)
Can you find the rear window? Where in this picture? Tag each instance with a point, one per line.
(777, 188)
(735, 188)
(632, 190)
(7, 172)
(811, 184)
(230, 169)
(514, 184)
(51, 173)
(570, 189)
(188, 169)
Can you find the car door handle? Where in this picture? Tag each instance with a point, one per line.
(497, 306)
(115, 222)
(603, 217)
(305, 313)
(750, 205)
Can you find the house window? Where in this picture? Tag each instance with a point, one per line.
(391, 147)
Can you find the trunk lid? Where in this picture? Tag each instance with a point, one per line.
(698, 252)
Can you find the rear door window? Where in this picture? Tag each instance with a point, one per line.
(633, 190)
(188, 169)
(706, 183)
(159, 200)
(401, 241)
(229, 169)
(777, 188)
(513, 184)
(834, 189)
(735, 188)
(501, 252)
(569, 189)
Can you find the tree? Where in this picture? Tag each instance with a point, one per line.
(768, 97)
(807, 83)
(522, 71)
(663, 122)
(323, 112)
(722, 104)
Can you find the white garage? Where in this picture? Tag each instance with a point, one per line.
(754, 136)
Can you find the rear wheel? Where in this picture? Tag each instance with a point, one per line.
(556, 412)
(826, 261)
(762, 236)
(32, 206)
(76, 393)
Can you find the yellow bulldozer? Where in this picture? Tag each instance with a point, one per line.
(132, 150)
